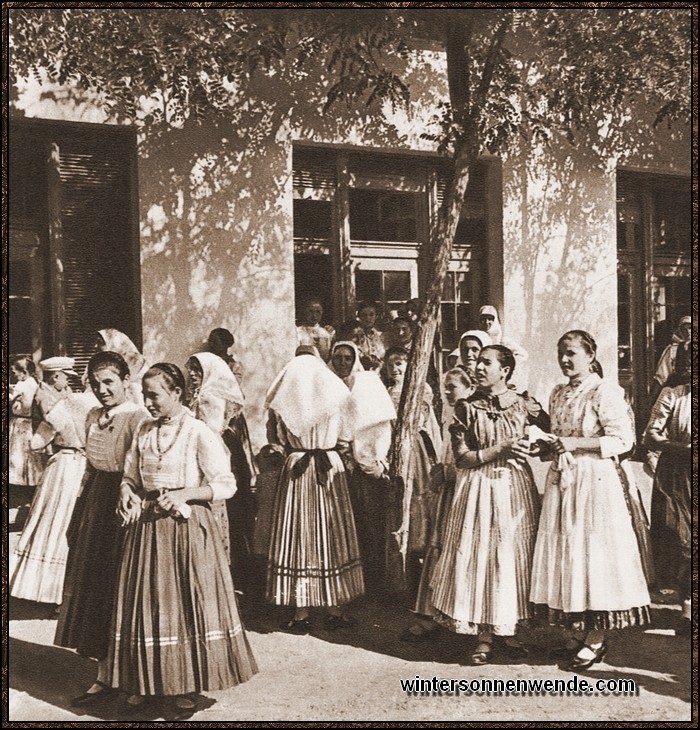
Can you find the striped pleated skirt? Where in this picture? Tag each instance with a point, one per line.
(314, 558)
(38, 564)
(176, 627)
(482, 579)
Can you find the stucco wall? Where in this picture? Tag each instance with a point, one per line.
(215, 252)
(216, 226)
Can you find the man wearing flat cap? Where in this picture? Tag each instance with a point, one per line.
(54, 386)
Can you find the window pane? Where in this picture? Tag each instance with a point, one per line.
(383, 215)
(397, 286)
(312, 280)
(368, 285)
(466, 319)
(463, 282)
(672, 219)
(448, 288)
(470, 232)
(450, 337)
(312, 219)
(624, 324)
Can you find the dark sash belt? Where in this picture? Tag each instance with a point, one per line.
(321, 460)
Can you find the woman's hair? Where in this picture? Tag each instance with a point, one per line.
(368, 305)
(25, 364)
(458, 374)
(172, 375)
(194, 364)
(402, 351)
(588, 344)
(347, 328)
(224, 336)
(107, 359)
(505, 357)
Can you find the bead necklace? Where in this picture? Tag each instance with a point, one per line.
(160, 451)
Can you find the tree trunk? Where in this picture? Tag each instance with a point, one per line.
(406, 432)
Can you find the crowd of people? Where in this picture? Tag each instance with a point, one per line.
(144, 512)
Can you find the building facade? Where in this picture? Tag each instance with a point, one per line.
(231, 225)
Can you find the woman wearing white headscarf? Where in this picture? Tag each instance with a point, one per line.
(314, 559)
(112, 340)
(488, 319)
(215, 397)
(371, 414)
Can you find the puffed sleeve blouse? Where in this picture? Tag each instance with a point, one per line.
(596, 408)
(181, 454)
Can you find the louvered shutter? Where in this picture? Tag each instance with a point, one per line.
(96, 223)
(89, 182)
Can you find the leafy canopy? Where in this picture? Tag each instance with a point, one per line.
(511, 72)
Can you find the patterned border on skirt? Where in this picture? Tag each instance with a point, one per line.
(594, 620)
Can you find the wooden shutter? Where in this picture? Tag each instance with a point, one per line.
(86, 226)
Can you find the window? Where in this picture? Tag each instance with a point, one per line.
(361, 226)
(74, 255)
(654, 234)
(383, 215)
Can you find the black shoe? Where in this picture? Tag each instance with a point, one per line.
(577, 663)
(566, 652)
(333, 622)
(515, 651)
(297, 626)
(89, 698)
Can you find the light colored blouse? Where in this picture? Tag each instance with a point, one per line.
(22, 397)
(182, 453)
(596, 408)
(64, 424)
(671, 415)
(109, 435)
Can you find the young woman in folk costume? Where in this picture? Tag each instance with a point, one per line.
(25, 465)
(175, 630)
(214, 397)
(95, 534)
(38, 563)
(241, 507)
(314, 558)
(669, 431)
(587, 571)
(481, 583)
(371, 415)
(458, 386)
(111, 340)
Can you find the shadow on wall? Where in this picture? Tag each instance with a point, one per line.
(217, 229)
(560, 249)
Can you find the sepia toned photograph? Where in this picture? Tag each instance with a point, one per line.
(348, 363)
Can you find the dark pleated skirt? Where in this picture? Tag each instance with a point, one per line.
(671, 526)
(94, 539)
(368, 498)
(176, 627)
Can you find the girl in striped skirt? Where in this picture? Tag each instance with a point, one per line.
(314, 559)
(481, 583)
(175, 629)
